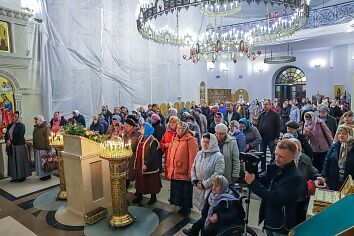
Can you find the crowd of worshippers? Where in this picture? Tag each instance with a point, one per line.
(198, 150)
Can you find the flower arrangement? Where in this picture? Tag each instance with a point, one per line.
(82, 131)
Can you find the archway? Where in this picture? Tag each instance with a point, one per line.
(290, 82)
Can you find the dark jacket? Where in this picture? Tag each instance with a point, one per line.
(212, 127)
(330, 167)
(235, 116)
(306, 147)
(241, 141)
(331, 124)
(306, 167)
(269, 125)
(336, 112)
(133, 138)
(98, 127)
(18, 136)
(152, 155)
(159, 131)
(63, 122)
(108, 116)
(41, 136)
(80, 119)
(281, 190)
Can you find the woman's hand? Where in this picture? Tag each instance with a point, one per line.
(8, 143)
(144, 168)
(213, 218)
(200, 185)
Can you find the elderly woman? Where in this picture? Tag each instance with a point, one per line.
(234, 130)
(347, 119)
(159, 129)
(339, 161)
(147, 164)
(253, 137)
(207, 163)
(182, 152)
(96, 125)
(222, 208)
(168, 137)
(19, 167)
(320, 138)
(41, 134)
(115, 129)
(57, 122)
(228, 148)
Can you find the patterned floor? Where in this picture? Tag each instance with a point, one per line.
(18, 213)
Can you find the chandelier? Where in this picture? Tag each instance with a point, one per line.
(223, 42)
(279, 59)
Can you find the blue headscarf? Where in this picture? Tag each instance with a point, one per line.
(148, 129)
(245, 122)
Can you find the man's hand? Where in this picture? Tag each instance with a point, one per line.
(144, 168)
(213, 218)
(249, 178)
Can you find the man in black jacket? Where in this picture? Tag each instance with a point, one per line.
(282, 189)
(231, 114)
(269, 128)
(292, 128)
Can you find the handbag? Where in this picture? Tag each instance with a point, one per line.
(49, 162)
(198, 198)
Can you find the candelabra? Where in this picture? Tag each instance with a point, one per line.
(117, 154)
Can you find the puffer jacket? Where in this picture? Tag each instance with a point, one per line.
(231, 156)
(182, 152)
(41, 134)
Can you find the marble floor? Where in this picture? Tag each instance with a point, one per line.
(19, 216)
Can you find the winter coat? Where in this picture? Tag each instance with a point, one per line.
(151, 156)
(133, 138)
(98, 127)
(41, 136)
(294, 114)
(320, 137)
(306, 167)
(331, 124)
(231, 155)
(80, 119)
(241, 141)
(165, 142)
(182, 152)
(212, 127)
(108, 116)
(18, 135)
(208, 163)
(306, 147)
(203, 124)
(330, 167)
(269, 125)
(253, 137)
(159, 131)
(235, 116)
(281, 189)
(63, 122)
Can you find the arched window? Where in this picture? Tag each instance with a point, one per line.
(290, 83)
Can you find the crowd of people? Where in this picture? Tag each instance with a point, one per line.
(198, 149)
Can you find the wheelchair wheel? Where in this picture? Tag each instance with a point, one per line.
(237, 231)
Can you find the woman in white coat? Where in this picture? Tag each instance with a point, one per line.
(207, 163)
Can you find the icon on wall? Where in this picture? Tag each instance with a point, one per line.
(338, 90)
(4, 37)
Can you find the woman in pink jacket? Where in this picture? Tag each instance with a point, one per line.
(320, 138)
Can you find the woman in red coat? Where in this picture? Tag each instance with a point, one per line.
(168, 137)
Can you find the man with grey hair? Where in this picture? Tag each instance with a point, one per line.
(229, 149)
(79, 119)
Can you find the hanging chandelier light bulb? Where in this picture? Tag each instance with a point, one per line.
(221, 8)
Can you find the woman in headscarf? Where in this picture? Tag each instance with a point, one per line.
(207, 163)
(222, 208)
(19, 167)
(57, 122)
(234, 130)
(168, 137)
(147, 164)
(182, 152)
(253, 137)
(114, 130)
(339, 161)
(320, 138)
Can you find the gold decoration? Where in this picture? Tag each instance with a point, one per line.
(95, 215)
(118, 153)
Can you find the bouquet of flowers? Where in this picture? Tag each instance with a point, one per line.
(82, 131)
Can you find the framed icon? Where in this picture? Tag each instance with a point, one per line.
(4, 37)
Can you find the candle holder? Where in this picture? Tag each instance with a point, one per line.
(117, 154)
(56, 141)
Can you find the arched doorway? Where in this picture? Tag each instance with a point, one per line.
(290, 82)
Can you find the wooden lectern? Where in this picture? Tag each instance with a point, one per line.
(86, 174)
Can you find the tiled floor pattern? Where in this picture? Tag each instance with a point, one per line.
(20, 208)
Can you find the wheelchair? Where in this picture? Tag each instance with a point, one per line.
(250, 164)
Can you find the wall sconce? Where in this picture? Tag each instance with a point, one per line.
(223, 67)
(210, 65)
(318, 63)
(260, 68)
